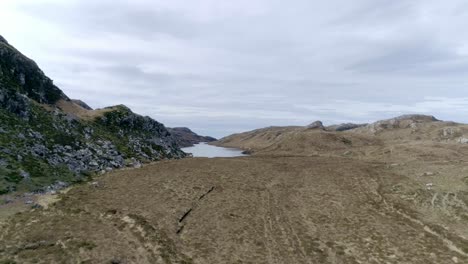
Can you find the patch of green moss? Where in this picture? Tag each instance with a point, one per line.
(13, 177)
(8, 261)
(147, 151)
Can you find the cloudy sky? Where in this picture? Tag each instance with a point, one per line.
(221, 67)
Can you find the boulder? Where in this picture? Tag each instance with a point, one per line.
(316, 125)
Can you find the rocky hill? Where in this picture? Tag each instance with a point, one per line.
(295, 140)
(415, 127)
(316, 137)
(187, 138)
(48, 139)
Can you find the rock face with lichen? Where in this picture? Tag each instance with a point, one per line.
(43, 143)
(400, 122)
(316, 125)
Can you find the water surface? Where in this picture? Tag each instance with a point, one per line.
(209, 151)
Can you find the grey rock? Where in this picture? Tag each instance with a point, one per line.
(344, 127)
(15, 103)
(450, 131)
(39, 150)
(25, 175)
(57, 186)
(8, 200)
(115, 164)
(416, 117)
(316, 125)
(22, 79)
(404, 121)
(6, 151)
(82, 104)
(36, 135)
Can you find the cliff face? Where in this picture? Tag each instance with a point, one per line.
(21, 74)
(187, 138)
(46, 138)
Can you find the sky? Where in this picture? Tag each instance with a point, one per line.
(221, 67)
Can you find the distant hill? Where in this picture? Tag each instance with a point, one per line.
(187, 138)
(316, 138)
(47, 138)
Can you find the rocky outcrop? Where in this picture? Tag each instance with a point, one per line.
(404, 121)
(187, 138)
(15, 102)
(316, 125)
(142, 135)
(344, 127)
(3, 40)
(82, 104)
(42, 144)
(19, 73)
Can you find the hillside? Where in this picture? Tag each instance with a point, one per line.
(315, 138)
(46, 138)
(295, 141)
(187, 138)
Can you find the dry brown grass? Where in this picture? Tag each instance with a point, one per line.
(260, 210)
(296, 141)
(74, 109)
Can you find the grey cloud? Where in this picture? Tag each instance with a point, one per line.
(376, 12)
(116, 17)
(224, 66)
(410, 58)
(135, 74)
